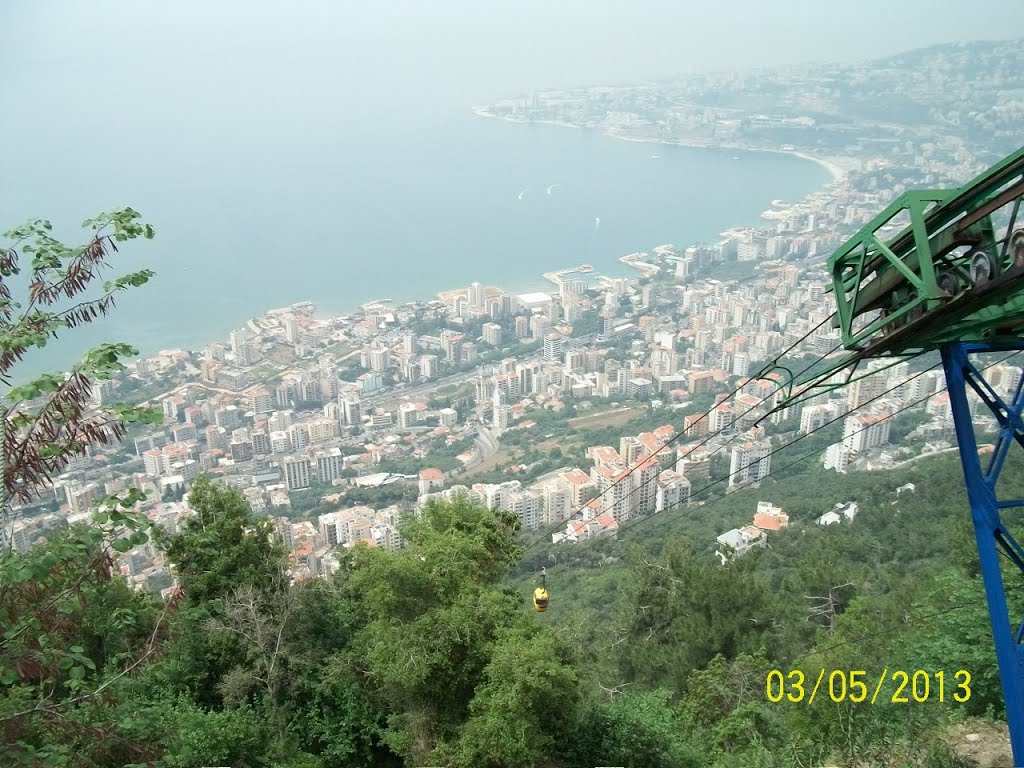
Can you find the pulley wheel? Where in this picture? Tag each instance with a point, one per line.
(949, 283)
(1017, 247)
(983, 268)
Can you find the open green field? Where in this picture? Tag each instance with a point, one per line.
(613, 418)
(503, 456)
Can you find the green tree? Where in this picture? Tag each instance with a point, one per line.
(72, 631)
(958, 635)
(336, 716)
(222, 549)
(224, 546)
(432, 612)
(524, 706)
(47, 420)
(726, 704)
(687, 610)
(638, 728)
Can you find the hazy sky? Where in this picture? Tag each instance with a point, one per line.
(481, 49)
(245, 129)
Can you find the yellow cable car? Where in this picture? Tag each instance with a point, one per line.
(540, 594)
(540, 599)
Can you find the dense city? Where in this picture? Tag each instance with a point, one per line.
(721, 480)
(340, 427)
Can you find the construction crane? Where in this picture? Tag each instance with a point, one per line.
(941, 270)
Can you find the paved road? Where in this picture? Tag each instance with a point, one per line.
(394, 395)
(487, 443)
(922, 456)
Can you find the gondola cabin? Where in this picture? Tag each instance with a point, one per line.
(540, 599)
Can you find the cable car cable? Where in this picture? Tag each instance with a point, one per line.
(638, 520)
(717, 449)
(764, 370)
(661, 515)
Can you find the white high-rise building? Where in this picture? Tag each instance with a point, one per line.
(322, 429)
(492, 334)
(240, 347)
(750, 462)
(1004, 379)
(721, 417)
(286, 392)
(865, 431)
(613, 490)
(280, 442)
(557, 502)
(408, 415)
(569, 288)
(740, 364)
(673, 491)
(296, 472)
(329, 528)
(502, 416)
(238, 337)
(332, 411)
(280, 420)
(553, 345)
(351, 410)
(291, 328)
(643, 481)
(409, 345)
(837, 457)
(380, 359)
(476, 297)
(298, 436)
(814, 417)
(102, 392)
(329, 464)
(528, 507)
(428, 366)
(261, 400)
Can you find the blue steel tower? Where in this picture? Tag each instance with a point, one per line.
(951, 281)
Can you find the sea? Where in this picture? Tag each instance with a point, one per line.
(273, 177)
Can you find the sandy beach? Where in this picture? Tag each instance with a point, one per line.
(832, 165)
(837, 171)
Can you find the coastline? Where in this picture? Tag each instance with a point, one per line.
(632, 260)
(154, 342)
(835, 170)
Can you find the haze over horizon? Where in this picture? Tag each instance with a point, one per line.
(493, 48)
(247, 130)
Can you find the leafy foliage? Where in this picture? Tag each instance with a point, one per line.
(72, 632)
(223, 546)
(46, 421)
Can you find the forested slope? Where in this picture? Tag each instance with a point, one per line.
(897, 588)
(431, 656)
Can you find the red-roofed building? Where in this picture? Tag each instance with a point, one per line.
(603, 454)
(769, 517)
(580, 485)
(665, 432)
(695, 425)
(430, 479)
